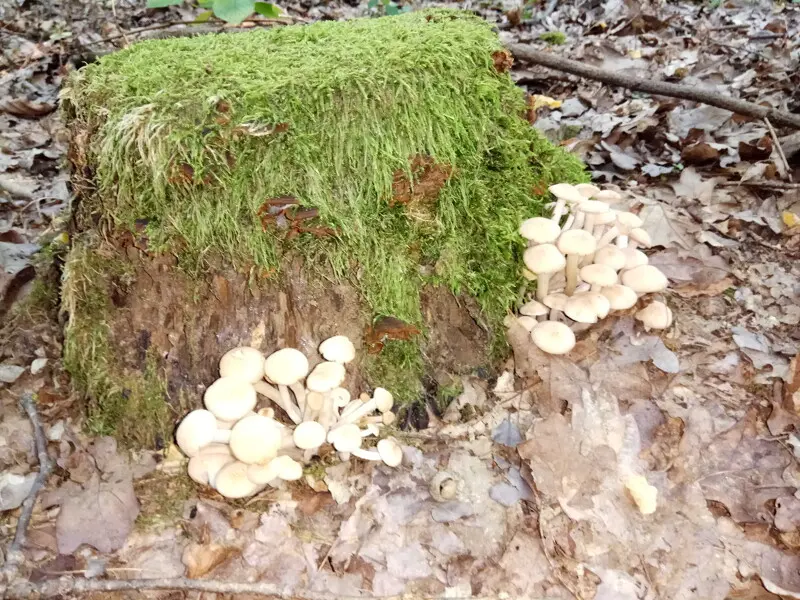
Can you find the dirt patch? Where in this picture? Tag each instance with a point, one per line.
(420, 190)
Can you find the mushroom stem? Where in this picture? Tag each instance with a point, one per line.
(578, 222)
(343, 456)
(351, 406)
(558, 210)
(542, 285)
(572, 273)
(607, 237)
(366, 454)
(568, 222)
(289, 407)
(597, 232)
(622, 241)
(588, 223)
(555, 315)
(300, 395)
(326, 413)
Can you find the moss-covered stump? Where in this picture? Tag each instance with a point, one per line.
(277, 187)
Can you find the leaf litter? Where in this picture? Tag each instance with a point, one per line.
(707, 412)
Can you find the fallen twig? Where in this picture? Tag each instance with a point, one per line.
(773, 185)
(787, 169)
(661, 88)
(14, 556)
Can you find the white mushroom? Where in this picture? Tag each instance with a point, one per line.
(655, 315)
(581, 308)
(230, 398)
(204, 466)
(199, 429)
(232, 481)
(555, 302)
(256, 439)
(286, 368)
(598, 276)
(308, 435)
(539, 230)
(242, 363)
(575, 244)
(591, 208)
(645, 279)
(553, 337)
(389, 451)
(338, 349)
(544, 260)
(620, 297)
(587, 190)
(382, 400)
(564, 192)
(533, 309)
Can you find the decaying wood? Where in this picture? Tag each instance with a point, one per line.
(659, 88)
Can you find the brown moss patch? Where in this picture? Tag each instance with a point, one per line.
(503, 61)
(419, 187)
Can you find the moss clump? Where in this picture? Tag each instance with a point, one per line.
(399, 368)
(162, 498)
(121, 402)
(554, 38)
(187, 138)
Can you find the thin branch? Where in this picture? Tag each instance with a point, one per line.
(771, 185)
(660, 88)
(14, 556)
(779, 148)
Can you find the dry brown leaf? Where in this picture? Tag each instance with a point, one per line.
(201, 559)
(694, 272)
(20, 107)
(701, 154)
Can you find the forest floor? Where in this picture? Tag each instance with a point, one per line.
(709, 411)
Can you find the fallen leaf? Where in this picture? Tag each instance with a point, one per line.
(20, 107)
(701, 154)
(695, 272)
(507, 434)
(14, 489)
(692, 186)
(201, 559)
(101, 515)
(10, 373)
(665, 227)
(761, 150)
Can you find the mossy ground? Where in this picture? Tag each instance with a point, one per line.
(191, 136)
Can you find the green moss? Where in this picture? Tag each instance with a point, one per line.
(399, 368)
(161, 499)
(122, 402)
(554, 38)
(192, 135)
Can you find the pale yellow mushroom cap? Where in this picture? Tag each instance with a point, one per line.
(338, 348)
(634, 258)
(553, 337)
(620, 297)
(390, 452)
(566, 191)
(598, 274)
(196, 430)
(255, 439)
(587, 190)
(346, 438)
(544, 258)
(230, 398)
(242, 363)
(540, 230)
(325, 376)
(308, 434)
(232, 481)
(655, 315)
(533, 309)
(286, 366)
(581, 308)
(383, 399)
(611, 256)
(577, 241)
(645, 279)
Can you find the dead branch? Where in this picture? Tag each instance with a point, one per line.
(659, 88)
(14, 556)
(768, 185)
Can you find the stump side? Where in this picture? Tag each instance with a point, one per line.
(251, 174)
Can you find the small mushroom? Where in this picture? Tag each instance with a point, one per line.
(625, 222)
(286, 368)
(655, 315)
(256, 439)
(232, 481)
(634, 258)
(198, 429)
(620, 297)
(281, 467)
(388, 451)
(346, 438)
(598, 276)
(591, 208)
(644, 495)
(382, 400)
(587, 190)
(308, 435)
(575, 244)
(555, 302)
(443, 486)
(528, 323)
(539, 230)
(204, 466)
(611, 256)
(338, 349)
(553, 337)
(533, 309)
(601, 220)
(645, 279)
(544, 260)
(564, 192)
(242, 363)
(581, 308)
(608, 196)
(323, 378)
(639, 237)
(230, 398)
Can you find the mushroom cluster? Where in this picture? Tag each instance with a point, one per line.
(238, 449)
(586, 262)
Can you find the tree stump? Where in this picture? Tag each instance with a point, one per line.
(277, 187)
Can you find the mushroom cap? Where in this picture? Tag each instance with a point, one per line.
(346, 438)
(620, 297)
(242, 363)
(288, 468)
(605, 218)
(230, 398)
(601, 275)
(315, 400)
(383, 399)
(581, 308)
(553, 337)
(644, 495)
(593, 207)
(608, 196)
(262, 474)
(255, 439)
(634, 258)
(286, 366)
(540, 230)
(587, 190)
(204, 466)
(555, 301)
(196, 430)
(611, 256)
(544, 258)
(232, 481)
(645, 279)
(533, 309)
(601, 304)
(566, 191)
(338, 348)
(390, 452)
(341, 397)
(655, 315)
(388, 417)
(527, 322)
(577, 241)
(628, 220)
(325, 376)
(308, 435)
(640, 236)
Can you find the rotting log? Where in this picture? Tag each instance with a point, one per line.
(274, 188)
